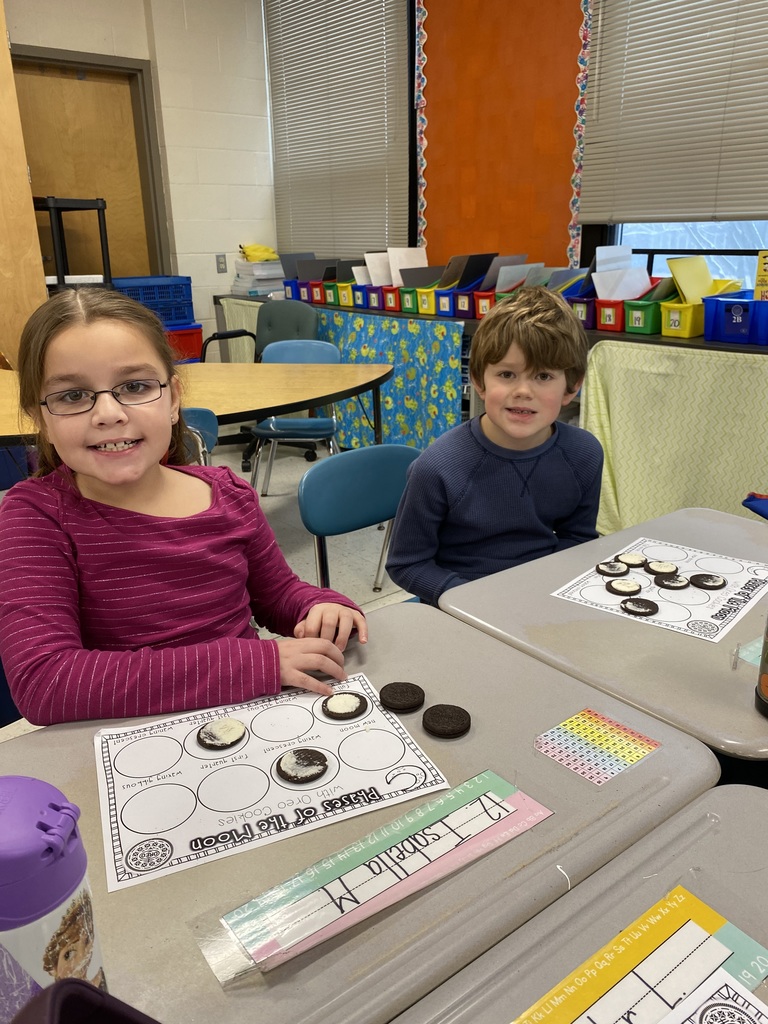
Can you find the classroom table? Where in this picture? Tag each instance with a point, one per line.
(697, 686)
(242, 391)
(382, 966)
(714, 848)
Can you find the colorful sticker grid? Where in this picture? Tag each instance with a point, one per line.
(593, 746)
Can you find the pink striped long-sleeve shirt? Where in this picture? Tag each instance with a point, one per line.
(106, 613)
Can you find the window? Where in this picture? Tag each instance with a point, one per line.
(676, 112)
(340, 110)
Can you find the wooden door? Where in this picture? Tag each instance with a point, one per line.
(80, 140)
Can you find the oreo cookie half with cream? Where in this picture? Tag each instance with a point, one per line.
(345, 705)
(302, 765)
(708, 581)
(639, 606)
(625, 588)
(614, 568)
(661, 568)
(220, 734)
(631, 558)
(672, 582)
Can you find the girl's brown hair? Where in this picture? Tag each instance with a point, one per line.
(80, 306)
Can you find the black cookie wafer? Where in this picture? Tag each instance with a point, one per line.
(708, 581)
(402, 696)
(613, 568)
(624, 588)
(446, 720)
(345, 704)
(302, 765)
(639, 606)
(221, 733)
(672, 582)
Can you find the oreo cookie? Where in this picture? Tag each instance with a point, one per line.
(223, 733)
(625, 588)
(661, 568)
(614, 568)
(302, 765)
(639, 606)
(344, 705)
(672, 582)
(446, 721)
(708, 581)
(631, 558)
(401, 696)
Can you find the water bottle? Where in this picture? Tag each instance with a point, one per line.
(46, 916)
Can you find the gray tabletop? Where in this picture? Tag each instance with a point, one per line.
(381, 967)
(714, 848)
(683, 680)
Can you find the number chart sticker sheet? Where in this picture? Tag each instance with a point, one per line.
(651, 966)
(595, 747)
(404, 856)
(723, 589)
(167, 802)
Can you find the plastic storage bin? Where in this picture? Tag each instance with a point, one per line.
(186, 342)
(736, 317)
(375, 296)
(291, 289)
(425, 301)
(444, 301)
(584, 308)
(681, 319)
(169, 297)
(391, 294)
(408, 300)
(305, 292)
(360, 296)
(345, 293)
(317, 292)
(484, 301)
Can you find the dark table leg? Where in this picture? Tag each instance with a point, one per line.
(377, 432)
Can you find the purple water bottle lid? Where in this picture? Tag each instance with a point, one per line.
(42, 858)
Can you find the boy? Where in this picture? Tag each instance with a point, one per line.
(512, 484)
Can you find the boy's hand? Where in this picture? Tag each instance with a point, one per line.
(333, 622)
(298, 657)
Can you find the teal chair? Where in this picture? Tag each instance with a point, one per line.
(293, 428)
(204, 425)
(353, 490)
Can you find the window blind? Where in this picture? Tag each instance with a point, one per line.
(339, 106)
(676, 112)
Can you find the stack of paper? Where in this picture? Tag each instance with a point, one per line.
(257, 278)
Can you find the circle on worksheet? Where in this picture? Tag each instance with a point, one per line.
(149, 855)
(664, 553)
(688, 597)
(406, 777)
(669, 612)
(234, 787)
(761, 571)
(369, 750)
(148, 756)
(158, 809)
(328, 775)
(193, 746)
(718, 565)
(282, 722)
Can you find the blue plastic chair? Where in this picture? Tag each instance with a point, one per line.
(292, 428)
(355, 489)
(203, 422)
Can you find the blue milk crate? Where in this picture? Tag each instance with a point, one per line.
(169, 297)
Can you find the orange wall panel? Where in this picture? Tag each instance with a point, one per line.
(500, 106)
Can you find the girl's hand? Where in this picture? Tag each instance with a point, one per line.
(298, 657)
(333, 622)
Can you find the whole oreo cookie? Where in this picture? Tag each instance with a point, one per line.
(672, 582)
(614, 568)
(302, 765)
(446, 720)
(625, 588)
(639, 606)
(345, 705)
(708, 581)
(401, 696)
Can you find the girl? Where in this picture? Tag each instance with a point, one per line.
(128, 579)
